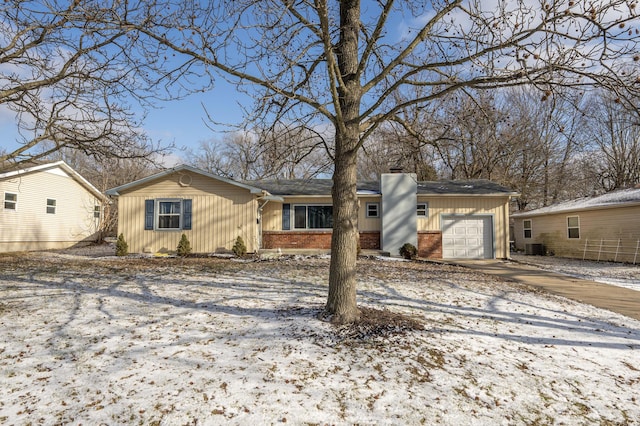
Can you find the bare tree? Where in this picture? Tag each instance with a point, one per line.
(614, 140)
(548, 137)
(277, 152)
(340, 63)
(69, 81)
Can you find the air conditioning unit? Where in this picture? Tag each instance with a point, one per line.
(534, 249)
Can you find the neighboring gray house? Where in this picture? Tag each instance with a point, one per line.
(47, 206)
(606, 227)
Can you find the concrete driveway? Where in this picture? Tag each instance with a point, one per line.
(617, 299)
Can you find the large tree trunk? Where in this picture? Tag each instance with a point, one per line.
(341, 302)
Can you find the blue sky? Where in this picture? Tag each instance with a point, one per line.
(181, 122)
(184, 122)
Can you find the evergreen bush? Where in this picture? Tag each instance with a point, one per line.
(408, 251)
(122, 248)
(239, 248)
(184, 246)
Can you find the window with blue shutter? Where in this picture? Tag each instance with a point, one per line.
(286, 217)
(186, 214)
(148, 214)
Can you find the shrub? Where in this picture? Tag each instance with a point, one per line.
(184, 246)
(122, 248)
(408, 251)
(239, 248)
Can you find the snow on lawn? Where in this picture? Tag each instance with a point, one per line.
(210, 341)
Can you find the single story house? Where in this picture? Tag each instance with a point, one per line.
(445, 219)
(605, 227)
(47, 206)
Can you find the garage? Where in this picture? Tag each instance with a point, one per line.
(467, 237)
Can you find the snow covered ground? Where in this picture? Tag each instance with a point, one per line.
(208, 341)
(618, 274)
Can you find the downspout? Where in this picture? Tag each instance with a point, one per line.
(265, 198)
(260, 208)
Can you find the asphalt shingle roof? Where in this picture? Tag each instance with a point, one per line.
(323, 187)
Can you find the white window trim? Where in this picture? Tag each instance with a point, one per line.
(425, 209)
(573, 227)
(368, 213)
(306, 220)
(15, 203)
(530, 229)
(156, 218)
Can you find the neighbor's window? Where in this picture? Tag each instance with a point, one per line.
(423, 209)
(373, 209)
(96, 211)
(526, 224)
(10, 200)
(51, 206)
(169, 214)
(573, 227)
(312, 217)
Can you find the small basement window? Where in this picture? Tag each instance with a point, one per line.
(10, 201)
(573, 227)
(526, 225)
(51, 206)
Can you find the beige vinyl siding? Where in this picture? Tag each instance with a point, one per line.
(496, 207)
(369, 223)
(29, 227)
(610, 225)
(220, 213)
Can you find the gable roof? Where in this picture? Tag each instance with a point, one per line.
(317, 187)
(622, 198)
(116, 191)
(48, 166)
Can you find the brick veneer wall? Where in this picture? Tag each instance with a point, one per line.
(430, 244)
(369, 240)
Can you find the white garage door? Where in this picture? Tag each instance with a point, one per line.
(467, 237)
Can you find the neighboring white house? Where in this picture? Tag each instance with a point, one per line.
(48, 206)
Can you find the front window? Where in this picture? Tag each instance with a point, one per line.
(10, 201)
(51, 206)
(527, 228)
(169, 214)
(313, 217)
(573, 227)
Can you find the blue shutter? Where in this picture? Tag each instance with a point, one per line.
(286, 217)
(186, 214)
(148, 214)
